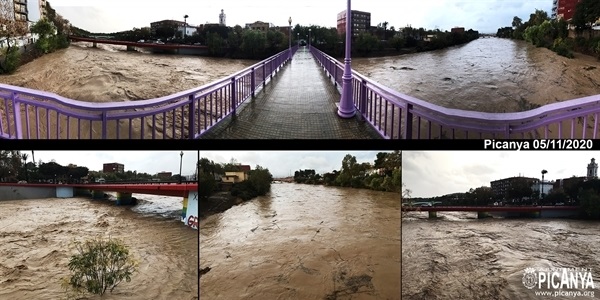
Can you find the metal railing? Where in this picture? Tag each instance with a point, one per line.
(377, 104)
(32, 114)
(572, 119)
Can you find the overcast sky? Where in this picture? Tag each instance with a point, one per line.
(150, 162)
(118, 15)
(438, 173)
(284, 163)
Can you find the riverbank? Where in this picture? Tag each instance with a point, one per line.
(218, 203)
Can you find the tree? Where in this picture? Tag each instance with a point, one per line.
(260, 178)
(519, 189)
(586, 13)
(517, 22)
(11, 27)
(166, 31)
(590, 203)
(100, 265)
(207, 184)
(253, 43)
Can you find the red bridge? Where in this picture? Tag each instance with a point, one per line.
(490, 208)
(163, 189)
(135, 44)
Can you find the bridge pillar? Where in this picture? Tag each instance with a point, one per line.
(432, 214)
(189, 213)
(64, 192)
(97, 194)
(124, 198)
(94, 45)
(130, 48)
(483, 215)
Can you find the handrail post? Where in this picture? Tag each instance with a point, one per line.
(507, 132)
(264, 74)
(233, 96)
(271, 64)
(192, 113)
(104, 121)
(17, 116)
(335, 75)
(363, 98)
(409, 122)
(252, 84)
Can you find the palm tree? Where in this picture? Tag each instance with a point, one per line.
(24, 156)
(33, 157)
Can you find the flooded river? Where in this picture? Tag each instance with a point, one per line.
(304, 242)
(488, 74)
(36, 238)
(460, 257)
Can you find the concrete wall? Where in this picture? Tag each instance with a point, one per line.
(22, 192)
(64, 192)
(189, 214)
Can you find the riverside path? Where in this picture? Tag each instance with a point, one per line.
(300, 103)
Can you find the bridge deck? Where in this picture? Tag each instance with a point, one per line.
(300, 103)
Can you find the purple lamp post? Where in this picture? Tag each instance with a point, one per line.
(309, 38)
(346, 108)
(290, 37)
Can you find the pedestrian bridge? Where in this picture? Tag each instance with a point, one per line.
(483, 211)
(293, 94)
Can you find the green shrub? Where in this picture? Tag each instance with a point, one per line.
(100, 265)
(562, 47)
(11, 61)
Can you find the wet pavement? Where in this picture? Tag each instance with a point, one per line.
(300, 103)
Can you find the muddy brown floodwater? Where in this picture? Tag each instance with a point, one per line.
(36, 235)
(304, 242)
(458, 256)
(488, 75)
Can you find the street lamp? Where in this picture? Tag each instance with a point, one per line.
(290, 38)
(309, 38)
(185, 26)
(180, 162)
(346, 108)
(298, 38)
(542, 185)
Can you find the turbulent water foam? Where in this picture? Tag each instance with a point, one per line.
(36, 242)
(304, 242)
(460, 257)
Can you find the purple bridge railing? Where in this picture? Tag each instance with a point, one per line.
(387, 110)
(32, 114)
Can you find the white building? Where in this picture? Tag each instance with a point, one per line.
(222, 18)
(544, 188)
(189, 30)
(592, 170)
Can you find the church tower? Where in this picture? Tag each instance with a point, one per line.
(222, 18)
(592, 170)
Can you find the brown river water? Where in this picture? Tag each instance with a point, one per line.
(488, 74)
(304, 242)
(36, 238)
(458, 256)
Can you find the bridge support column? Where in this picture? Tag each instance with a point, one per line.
(94, 45)
(189, 213)
(432, 214)
(64, 192)
(483, 215)
(124, 199)
(130, 48)
(97, 194)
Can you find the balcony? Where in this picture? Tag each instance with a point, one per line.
(24, 2)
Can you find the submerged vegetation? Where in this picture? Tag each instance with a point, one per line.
(542, 31)
(384, 174)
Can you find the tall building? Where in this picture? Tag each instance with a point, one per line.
(259, 25)
(165, 23)
(222, 18)
(592, 170)
(360, 22)
(21, 11)
(502, 186)
(563, 9)
(113, 168)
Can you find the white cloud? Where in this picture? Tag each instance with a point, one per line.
(438, 173)
(115, 15)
